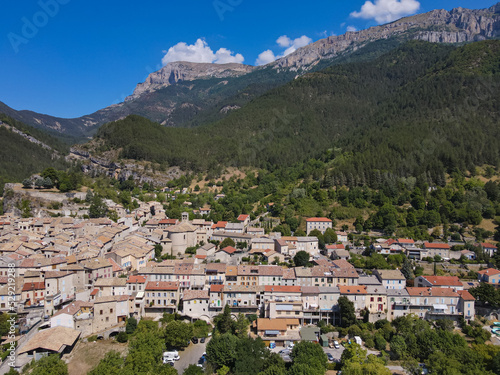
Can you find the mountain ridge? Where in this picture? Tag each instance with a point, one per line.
(189, 94)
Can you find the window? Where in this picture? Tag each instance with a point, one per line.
(372, 299)
(100, 312)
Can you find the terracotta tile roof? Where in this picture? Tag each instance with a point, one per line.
(466, 296)
(217, 288)
(116, 266)
(219, 267)
(94, 292)
(169, 221)
(33, 286)
(443, 280)
(344, 272)
(219, 224)
(232, 271)
(162, 285)
(314, 290)
(73, 308)
(342, 263)
(405, 240)
(265, 324)
(195, 294)
(289, 273)
(200, 256)
(52, 339)
(489, 271)
(488, 245)
(432, 292)
(229, 250)
(319, 219)
(57, 274)
(432, 245)
(390, 274)
(136, 279)
(335, 247)
(243, 217)
(270, 271)
(104, 239)
(354, 289)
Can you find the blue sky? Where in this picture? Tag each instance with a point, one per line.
(69, 58)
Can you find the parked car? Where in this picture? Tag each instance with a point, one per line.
(195, 340)
(336, 344)
(202, 340)
(171, 356)
(168, 362)
(330, 357)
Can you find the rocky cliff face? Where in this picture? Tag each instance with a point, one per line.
(440, 26)
(456, 26)
(187, 71)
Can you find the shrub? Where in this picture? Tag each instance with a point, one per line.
(122, 337)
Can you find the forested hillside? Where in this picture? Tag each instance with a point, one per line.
(19, 157)
(421, 108)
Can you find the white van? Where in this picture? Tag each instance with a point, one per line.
(171, 356)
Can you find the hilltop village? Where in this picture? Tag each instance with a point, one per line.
(91, 275)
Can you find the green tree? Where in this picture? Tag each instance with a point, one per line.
(27, 183)
(98, 207)
(372, 365)
(222, 349)
(122, 337)
(50, 365)
(48, 183)
(111, 364)
(347, 312)
(177, 334)
(250, 356)
(223, 322)
(193, 370)
(240, 325)
(407, 269)
(89, 196)
(398, 347)
(308, 354)
(131, 325)
(330, 236)
(158, 250)
(301, 259)
(227, 242)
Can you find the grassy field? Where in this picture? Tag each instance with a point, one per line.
(86, 355)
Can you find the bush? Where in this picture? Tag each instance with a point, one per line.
(92, 338)
(122, 337)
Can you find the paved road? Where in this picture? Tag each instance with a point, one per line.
(495, 340)
(23, 359)
(190, 355)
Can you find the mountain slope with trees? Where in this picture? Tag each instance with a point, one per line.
(420, 109)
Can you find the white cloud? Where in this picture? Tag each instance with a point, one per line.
(284, 42)
(384, 11)
(200, 52)
(351, 28)
(265, 57)
(225, 56)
